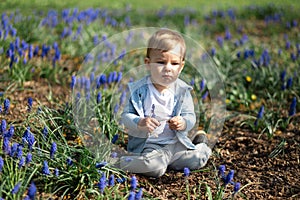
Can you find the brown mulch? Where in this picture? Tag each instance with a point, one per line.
(263, 172)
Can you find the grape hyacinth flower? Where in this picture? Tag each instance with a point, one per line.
(19, 151)
(1, 164)
(69, 162)
(3, 126)
(28, 158)
(111, 180)
(29, 101)
(113, 154)
(292, 110)
(289, 82)
(13, 149)
(101, 164)
(131, 195)
(222, 169)
(9, 134)
(56, 172)
(186, 172)
(53, 150)
(102, 183)
(236, 187)
(32, 191)
(139, 194)
(73, 82)
(45, 131)
(229, 177)
(259, 115)
(115, 138)
(21, 162)
(45, 168)
(133, 183)
(16, 188)
(6, 105)
(6, 146)
(99, 97)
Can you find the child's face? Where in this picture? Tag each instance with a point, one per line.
(164, 67)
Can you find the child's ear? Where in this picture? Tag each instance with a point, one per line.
(182, 65)
(147, 63)
(147, 60)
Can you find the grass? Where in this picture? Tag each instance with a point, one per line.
(199, 5)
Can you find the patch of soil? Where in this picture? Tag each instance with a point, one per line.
(266, 168)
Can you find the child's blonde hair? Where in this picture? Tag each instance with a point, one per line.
(166, 40)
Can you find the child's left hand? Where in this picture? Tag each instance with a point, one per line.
(177, 123)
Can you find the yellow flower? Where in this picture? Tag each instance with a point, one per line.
(248, 79)
(227, 101)
(253, 97)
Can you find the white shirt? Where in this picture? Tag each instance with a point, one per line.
(160, 106)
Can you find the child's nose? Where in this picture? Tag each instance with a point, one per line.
(168, 66)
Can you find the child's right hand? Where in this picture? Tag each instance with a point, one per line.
(148, 124)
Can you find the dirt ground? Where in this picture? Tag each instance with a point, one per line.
(266, 168)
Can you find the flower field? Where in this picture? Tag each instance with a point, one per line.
(63, 77)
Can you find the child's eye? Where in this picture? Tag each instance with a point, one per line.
(160, 62)
(175, 63)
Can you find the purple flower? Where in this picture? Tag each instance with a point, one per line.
(186, 172)
(111, 180)
(21, 162)
(131, 195)
(259, 115)
(289, 82)
(292, 110)
(128, 159)
(236, 187)
(3, 126)
(119, 77)
(16, 188)
(282, 75)
(45, 168)
(19, 151)
(133, 183)
(29, 101)
(114, 154)
(56, 172)
(99, 97)
(205, 95)
(1, 163)
(139, 194)
(121, 180)
(53, 150)
(6, 147)
(13, 149)
(9, 134)
(30, 140)
(229, 177)
(45, 131)
(73, 82)
(32, 191)
(28, 158)
(123, 97)
(115, 138)
(102, 183)
(69, 162)
(6, 105)
(222, 169)
(101, 164)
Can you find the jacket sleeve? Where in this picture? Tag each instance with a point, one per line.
(187, 111)
(130, 119)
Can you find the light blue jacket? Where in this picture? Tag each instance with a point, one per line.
(134, 110)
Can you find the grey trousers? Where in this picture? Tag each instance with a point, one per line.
(155, 159)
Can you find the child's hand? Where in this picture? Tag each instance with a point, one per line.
(148, 124)
(177, 123)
